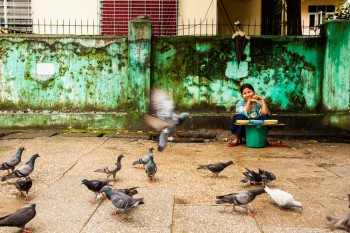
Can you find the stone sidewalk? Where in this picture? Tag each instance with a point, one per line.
(183, 198)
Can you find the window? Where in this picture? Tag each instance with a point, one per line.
(317, 13)
(15, 16)
(116, 14)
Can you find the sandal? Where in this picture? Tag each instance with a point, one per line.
(231, 143)
(278, 143)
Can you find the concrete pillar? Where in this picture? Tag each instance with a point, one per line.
(140, 33)
(336, 82)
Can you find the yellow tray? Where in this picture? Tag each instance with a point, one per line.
(243, 122)
(270, 122)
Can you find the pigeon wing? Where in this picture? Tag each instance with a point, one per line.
(19, 218)
(13, 161)
(26, 169)
(161, 105)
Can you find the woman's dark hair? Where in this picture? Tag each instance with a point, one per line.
(246, 85)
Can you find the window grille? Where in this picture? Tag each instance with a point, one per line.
(116, 14)
(16, 16)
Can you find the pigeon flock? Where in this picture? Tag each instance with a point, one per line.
(166, 122)
(22, 216)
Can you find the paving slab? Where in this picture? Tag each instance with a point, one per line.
(204, 218)
(183, 197)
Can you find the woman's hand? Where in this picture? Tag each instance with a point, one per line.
(257, 97)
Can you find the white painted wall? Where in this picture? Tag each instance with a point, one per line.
(248, 12)
(195, 12)
(77, 13)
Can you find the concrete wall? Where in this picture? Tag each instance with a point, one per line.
(336, 80)
(62, 73)
(201, 74)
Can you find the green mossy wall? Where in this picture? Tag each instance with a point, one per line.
(201, 74)
(89, 73)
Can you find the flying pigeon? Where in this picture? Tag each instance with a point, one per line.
(267, 177)
(151, 169)
(215, 168)
(113, 169)
(251, 176)
(166, 121)
(95, 186)
(145, 158)
(282, 198)
(19, 218)
(13, 161)
(340, 223)
(241, 198)
(24, 170)
(23, 185)
(121, 201)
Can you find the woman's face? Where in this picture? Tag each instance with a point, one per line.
(247, 94)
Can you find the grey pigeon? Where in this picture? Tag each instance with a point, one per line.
(282, 198)
(19, 218)
(252, 177)
(24, 170)
(151, 169)
(121, 201)
(128, 191)
(267, 177)
(215, 168)
(145, 158)
(113, 169)
(241, 198)
(168, 121)
(13, 161)
(24, 185)
(340, 223)
(94, 186)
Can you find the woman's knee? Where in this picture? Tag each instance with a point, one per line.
(240, 117)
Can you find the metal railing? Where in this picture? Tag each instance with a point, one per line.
(91, 27)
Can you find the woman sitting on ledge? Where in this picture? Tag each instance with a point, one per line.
(251, 107)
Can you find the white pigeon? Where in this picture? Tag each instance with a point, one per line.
(282, 198)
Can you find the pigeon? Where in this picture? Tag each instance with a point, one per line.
(282, 198)
(263, 177)
(151, 169)
(267, 177)
(130, 191)
(12, 162)
(113, 169)
(340, 223)
(95, 186)
(24, 170)
(121, 201)
(241, 198)
(19, 218)
(23, 185)
(145, 158)
(167, 120)
(251, 176)
(215, 168)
